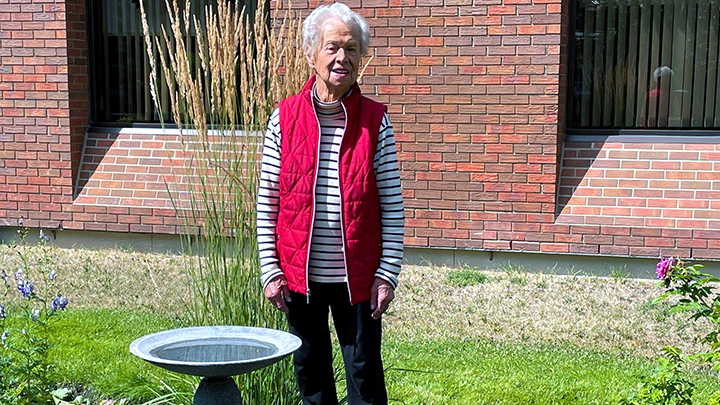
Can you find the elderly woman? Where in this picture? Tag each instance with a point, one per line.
(330, 213)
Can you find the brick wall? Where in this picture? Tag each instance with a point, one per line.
(133, 179)
(35, 154)
(475, 91)
(123, 182)
(78, 81)
(642, 199)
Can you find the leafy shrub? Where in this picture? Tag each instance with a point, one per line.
(698, 295)
(666, 386)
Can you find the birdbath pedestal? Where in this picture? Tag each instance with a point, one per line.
(215, 353)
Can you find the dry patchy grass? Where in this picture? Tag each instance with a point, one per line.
(105, 278)
(603, 313)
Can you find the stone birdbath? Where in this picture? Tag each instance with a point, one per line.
(215, 353)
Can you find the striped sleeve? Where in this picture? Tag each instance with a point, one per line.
(392, 213)
(268, 201)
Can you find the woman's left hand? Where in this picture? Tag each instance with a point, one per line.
(381, 294)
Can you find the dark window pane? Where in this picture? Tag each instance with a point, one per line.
(119, 63)
(645, 64)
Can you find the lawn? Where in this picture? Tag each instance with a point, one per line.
(453, 336)
(420, 371)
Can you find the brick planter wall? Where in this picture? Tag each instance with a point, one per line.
(475, 92)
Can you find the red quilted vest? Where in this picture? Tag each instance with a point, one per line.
(358, 189)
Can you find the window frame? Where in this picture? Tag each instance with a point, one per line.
(634, 135)
(95, 7)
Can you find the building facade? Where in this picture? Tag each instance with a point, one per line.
(544, 126)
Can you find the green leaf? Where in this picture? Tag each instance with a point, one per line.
(61, 393)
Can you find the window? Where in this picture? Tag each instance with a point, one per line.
(645, 64)
(119, 66)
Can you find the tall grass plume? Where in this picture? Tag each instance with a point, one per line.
(225, 71)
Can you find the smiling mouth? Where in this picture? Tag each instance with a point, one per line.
(341, 71)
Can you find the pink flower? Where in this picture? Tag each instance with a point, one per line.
(662, 270)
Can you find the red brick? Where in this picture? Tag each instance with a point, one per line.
(706, 234)
(706, 253)
(526, 246)
(531, 29)
(502, 10)
(615, 250)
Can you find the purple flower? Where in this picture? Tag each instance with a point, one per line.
(2, 312)
(51, 276)
(662, 270)
(20, 221)
(18, 274)
(3, 338)
(26, 288)
(43, 237)
(59, 302)
(35, 315)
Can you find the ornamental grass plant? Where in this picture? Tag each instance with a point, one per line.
(225, 74)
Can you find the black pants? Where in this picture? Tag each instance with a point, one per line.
(359, 335)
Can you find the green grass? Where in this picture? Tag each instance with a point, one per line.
(466, 277)
(91, 352)
(516, 274)
(91, 349)
(621, 274)
(483, 372)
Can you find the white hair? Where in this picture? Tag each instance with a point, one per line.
(661, 73)
(312, 29)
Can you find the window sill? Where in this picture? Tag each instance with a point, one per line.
(644, 135)
(152, 129)
(135, 129)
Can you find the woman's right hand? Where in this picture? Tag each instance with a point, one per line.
(278, 293)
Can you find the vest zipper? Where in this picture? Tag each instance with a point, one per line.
(342, 219)
(312, 217)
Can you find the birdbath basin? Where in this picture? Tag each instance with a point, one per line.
(216, 353)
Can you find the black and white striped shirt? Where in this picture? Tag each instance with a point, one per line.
(327, 263)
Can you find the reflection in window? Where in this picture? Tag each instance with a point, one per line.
(119, 65)
(646, 64)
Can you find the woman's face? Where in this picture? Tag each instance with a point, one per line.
(336, 60)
